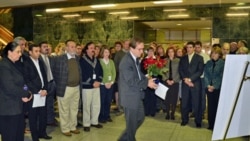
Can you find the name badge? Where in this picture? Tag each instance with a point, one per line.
(109, 78)
(94, 76)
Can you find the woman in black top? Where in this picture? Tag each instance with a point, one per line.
(13, 92)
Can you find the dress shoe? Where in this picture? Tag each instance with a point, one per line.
(75, 131)
(96, 126)
(67, 134)
(167, 117)
(198, 125)
(102, 121)
(52, 124)
(172, 117)
(183, 123)
(46, 137)
(109, 120)
(86, 129)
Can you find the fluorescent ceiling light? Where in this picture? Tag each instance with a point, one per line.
(38, 15)
(241, 3)
(129, 18)
(71, 15)
(167, 1)
(91, 12)
(239, 7)
(102, 5)
(119, 12)
(178, 16)
(236, 14)
(179, 24)
(53, 10)
(87, 20)
(174, 10)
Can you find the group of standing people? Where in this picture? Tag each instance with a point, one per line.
(91, 77)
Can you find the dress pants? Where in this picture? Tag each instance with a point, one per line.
(50, 102)
(191, 95)
(150, 102)
(213, 100)
(37, 121)
(12, 127)
(134, 119)
(91, 106)
(171, 98)
(106, 98)
(68, 109)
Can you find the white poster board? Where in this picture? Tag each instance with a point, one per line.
(240, 124)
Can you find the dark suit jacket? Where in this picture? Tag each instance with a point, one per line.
(130, 86)
(193, 70)
(11, 88)
(32, 78)
(60, 73)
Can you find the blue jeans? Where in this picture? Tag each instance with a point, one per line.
(106, 99)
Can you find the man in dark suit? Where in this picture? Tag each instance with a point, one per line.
(67, 76)
(132, 82)
(36, 80)
(190, 69)
(47, 61)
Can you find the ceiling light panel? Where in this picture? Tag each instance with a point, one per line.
(167, 1)
(119, 12)
(237, 14)
(179, 16)
(174, 10)
(103, 5)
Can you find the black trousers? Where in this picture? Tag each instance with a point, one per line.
(134, 119)
(12, 127)
(191, 96)
(150, 102)
(37, 121)
(212, 104)
(171, 98)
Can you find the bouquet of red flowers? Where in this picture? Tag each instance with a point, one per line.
(154, 66)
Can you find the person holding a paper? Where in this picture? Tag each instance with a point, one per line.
(172, 79)
(13, 93)
(190, 69)
(132, 83)
(36, 80)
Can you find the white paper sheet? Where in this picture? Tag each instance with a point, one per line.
(161, 91)
(38, 100)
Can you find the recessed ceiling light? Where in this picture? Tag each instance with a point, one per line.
(119, 12)
(38, 15)
(102, 5)
(53, 10)
(174, 10)
(71, 15)
(129, 18)
(241, 3)
(91, 12)
(179, 24)
(236, 14)
(87, 20)
(239, 7)
(178, 16)
(167, 1)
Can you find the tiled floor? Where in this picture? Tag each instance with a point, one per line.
(153, 129)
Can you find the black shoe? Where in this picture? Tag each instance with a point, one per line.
(46, 137)
(109, 120)
(102, 121)
(167, 117)
(183, 123)
(198, 125)
(172, 117)
(86, 129)
(96, 126)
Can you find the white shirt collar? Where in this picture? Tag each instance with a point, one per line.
(69, 56)
(132, 55)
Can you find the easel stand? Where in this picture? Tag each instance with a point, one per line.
(244, 78)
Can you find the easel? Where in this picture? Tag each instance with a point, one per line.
(244, 78)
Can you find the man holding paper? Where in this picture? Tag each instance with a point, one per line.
(36, 80)
(132, 84)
